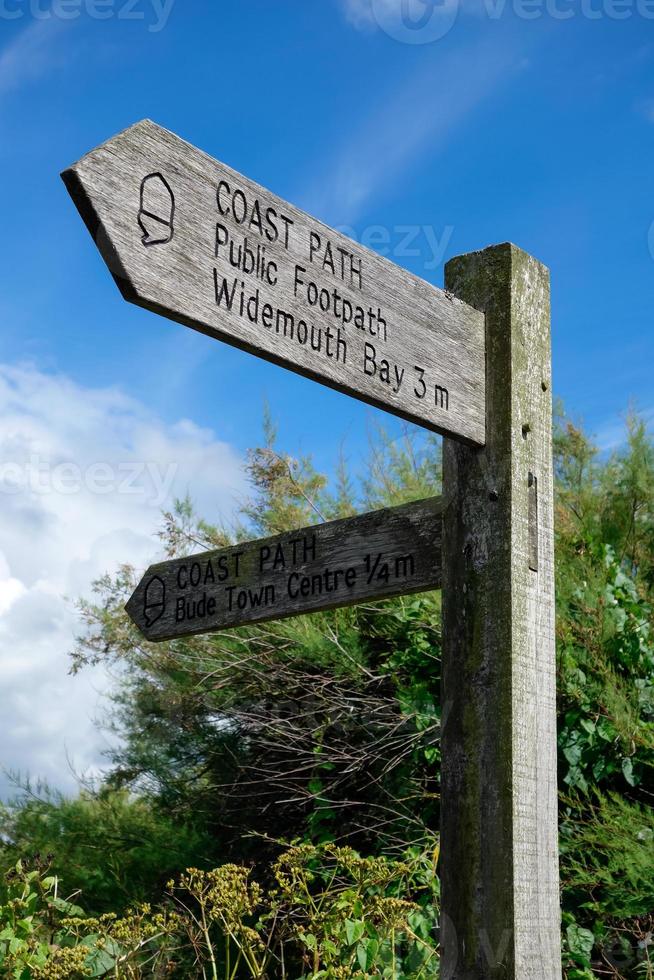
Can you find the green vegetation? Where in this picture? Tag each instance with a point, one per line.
(327, 912)
(272, 807)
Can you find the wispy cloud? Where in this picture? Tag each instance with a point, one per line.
(30, 54)
(612, 433)
(419, 118)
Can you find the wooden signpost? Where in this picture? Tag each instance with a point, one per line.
(187, 237)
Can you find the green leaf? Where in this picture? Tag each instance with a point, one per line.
(366, 953)
(628, 771)
(354, 931)
(99, 962)
(67, 908)
(580, 943)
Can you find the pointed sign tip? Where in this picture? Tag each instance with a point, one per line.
(134, 609)
(83, 201)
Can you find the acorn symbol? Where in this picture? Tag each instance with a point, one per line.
(154, 602)
(157, 212)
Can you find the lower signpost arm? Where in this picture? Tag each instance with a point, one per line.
(499, 855)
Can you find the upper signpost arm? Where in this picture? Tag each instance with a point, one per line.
(187, 237)
(500, 888)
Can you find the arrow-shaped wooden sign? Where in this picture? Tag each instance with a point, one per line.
(377, 555)
(191, 239)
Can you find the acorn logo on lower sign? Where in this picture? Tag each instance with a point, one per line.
(157, 211)
(154, 601)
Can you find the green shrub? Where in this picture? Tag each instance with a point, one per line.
(326, 913)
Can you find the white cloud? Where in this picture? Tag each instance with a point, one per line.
(30, 53)
(84, 474)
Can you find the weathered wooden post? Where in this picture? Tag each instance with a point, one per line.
(499, 871)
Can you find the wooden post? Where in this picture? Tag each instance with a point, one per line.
(499, 854)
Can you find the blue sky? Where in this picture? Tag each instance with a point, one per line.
(484, 126)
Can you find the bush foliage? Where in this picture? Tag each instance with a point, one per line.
(324, 730)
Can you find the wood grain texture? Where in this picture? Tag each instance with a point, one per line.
(499, 867)
(189, 238)
(340, 563)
